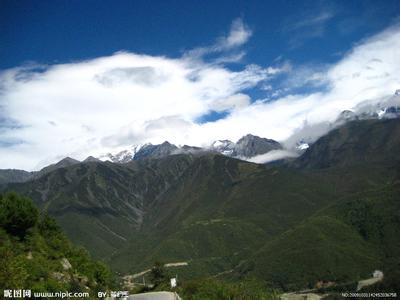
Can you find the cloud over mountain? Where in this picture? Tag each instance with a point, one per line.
(89, 107)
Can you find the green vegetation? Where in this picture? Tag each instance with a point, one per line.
(342, 243)
(207, 288)
(35, 254)
(17, 215)
(211, 289)
(332, 215)
(158, 274)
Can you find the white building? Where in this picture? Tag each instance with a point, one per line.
(377, 274)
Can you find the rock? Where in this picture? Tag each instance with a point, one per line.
(60, 276)
(251, 145)
(65, 264)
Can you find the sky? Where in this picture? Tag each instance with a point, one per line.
(80, 78)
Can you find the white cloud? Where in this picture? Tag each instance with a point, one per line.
(271, 156)
(238, 35)
(310, 20)
(307, 25)
(92, 106)
(95, 106)
(236, 101)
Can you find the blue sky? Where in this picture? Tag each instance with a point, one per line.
(81, 78)
(302, 31)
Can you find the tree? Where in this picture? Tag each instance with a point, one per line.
(17, 214)
(158, 273)
(48, 225)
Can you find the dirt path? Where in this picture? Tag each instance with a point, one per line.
(367, 282)
(311, 295)
(128, 279)
(306, 296)
(155, 296)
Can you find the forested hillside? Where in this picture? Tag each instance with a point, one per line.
(35, 254)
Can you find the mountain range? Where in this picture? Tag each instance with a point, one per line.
(331, 214)
(246, 147)
(250, 146)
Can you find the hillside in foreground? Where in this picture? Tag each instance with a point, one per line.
(35, 255)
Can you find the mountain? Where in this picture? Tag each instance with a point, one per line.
(65, 162)
(346, 116)
(123, 156)
(114, 208)
(191, 149)
(386, 108)
(225, 147)
(13, 175)
(353, 235)
(382, 108)
(246, 147)
(91, 159)
(389, 112)
(155, 151)
(251, 145)
(330, 215)
(99, 204)
(344, 242)
(357, 142)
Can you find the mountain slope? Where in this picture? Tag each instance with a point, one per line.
(216, 199)
(100, 204)
(224, 214)
(35, 255)
(355, 234)
(13, 175)
(65, 162)
(251, 145)
(155, 151)
(342, 243)
(356, 142)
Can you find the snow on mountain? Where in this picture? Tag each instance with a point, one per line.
(302, 146)
(122, 156)
(386, 108)
(250, 146)
(380, 108)
(224, 147)
(246, 147)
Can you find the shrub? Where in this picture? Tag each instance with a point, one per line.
(17, 214)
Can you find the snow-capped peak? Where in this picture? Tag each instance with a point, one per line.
(122, 156)
(303, 146)
(224, 147)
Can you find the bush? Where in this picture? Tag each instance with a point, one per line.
(12, 268)
(17, 214)
(48, 225)
(158, 274)
(212, 289)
